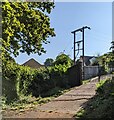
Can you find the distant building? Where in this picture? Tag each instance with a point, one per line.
(87, 60)
(33, 64)
(89, 70)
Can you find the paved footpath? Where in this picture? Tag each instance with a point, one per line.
(66, 105)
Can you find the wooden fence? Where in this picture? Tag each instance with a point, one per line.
(75, 75)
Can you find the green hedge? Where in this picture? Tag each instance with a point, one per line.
(18, 80)
(10, 76)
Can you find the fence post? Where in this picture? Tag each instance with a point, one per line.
(99, 73)
(80, 71)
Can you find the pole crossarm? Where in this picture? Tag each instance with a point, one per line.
(81, 29)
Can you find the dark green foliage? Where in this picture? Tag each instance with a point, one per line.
(58, 75)
(21, 80)
(49, 62)
(10, 75)
(112, 47)
(46, 79)
(105, 87)
(35, 82)
(41, 82)
(24, 81)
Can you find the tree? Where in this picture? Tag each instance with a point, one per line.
(112, 47)
(63, 59)
(107, 61)
(26, 26)
(49, 62)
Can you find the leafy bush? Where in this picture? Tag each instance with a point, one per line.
(25, 78)
(100, 86)
(107, 62)
(57, 73)
(49, 62)
(105, 87)
(63, 59)
(21, 80)
(40, 83)
(10, 75)
(46, 79)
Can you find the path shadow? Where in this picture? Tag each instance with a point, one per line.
(72, 99)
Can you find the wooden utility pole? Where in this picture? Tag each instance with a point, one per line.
(78, 42)
(74, 48)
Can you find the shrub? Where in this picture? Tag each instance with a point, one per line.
(10, 75)
(63, 59)
(21, 80)
(25, 78)
(58, 74)
(40, 82)
(105, 87)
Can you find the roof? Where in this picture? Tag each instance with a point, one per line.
(87, 59)
(33, 64)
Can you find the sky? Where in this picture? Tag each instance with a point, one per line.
(69, 16)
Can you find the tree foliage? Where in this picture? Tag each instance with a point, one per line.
(63, 59)
(48, 62)
(112, 46)
(26, 26)
(107, 60)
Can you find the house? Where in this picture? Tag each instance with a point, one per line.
(87, 60)
(33, 64)
(89, 70)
